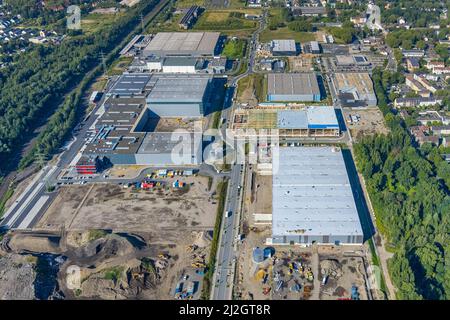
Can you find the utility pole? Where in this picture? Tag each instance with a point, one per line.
(142, 23)
(102, 55)
(40, 159)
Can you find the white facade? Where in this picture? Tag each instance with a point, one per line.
(178, 69)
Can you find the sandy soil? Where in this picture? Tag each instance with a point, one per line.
(301, 64)
(371, 122)
(262, 195)
(247, 95)
(163, 213)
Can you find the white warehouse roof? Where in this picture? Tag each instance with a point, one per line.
(312, 194)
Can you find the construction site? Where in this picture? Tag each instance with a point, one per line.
(279, 121)
(143, 239)
(303, 63)
(268, 271)
(363, 122)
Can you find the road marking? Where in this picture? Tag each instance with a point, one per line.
(14, 205)
(25, 204)
(33, 212)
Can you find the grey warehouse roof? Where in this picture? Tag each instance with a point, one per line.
(130, 84)
(283, 45)
(180, 61)
(293, 83)
(180, 43)
(312, 194)
(165, 142)
(176, 88)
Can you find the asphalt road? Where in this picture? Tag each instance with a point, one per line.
(223, 279)
(226, 254)
(32, 203)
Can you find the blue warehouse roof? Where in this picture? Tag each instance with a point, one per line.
(317, 117)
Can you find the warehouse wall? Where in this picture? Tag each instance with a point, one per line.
(179, 69)
(310, 239)
(176, 109)
(290, 97)
(164, 159)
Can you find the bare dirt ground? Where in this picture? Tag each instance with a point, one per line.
(371, 121)
(150, 272)
(342, 274)
(16, 277)
(247, 95)
(302, 63)
(171, 124)
(126, 172)
(319, 35)
(261, 194)
(158, 237)
(163, 213)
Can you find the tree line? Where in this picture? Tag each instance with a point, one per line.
(36, 83)
(409, 191)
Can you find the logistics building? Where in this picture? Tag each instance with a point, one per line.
(125, 131)
(183, 44)
(355, 89)
(293, 87)
(180, 96)
(312, 198)
(179, 65)
(283, 47)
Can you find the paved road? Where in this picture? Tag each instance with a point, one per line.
(32, 203)
(226, 254)
(223, 279)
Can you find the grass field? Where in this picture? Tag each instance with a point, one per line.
(234, 49)
(119, 66)
(285, 33)
(220, 20)
(282, 32)
(188, 3)
(252, 86)
(95, 21)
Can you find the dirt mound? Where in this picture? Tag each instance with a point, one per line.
(111, 246)
(128, 281)
(201, 240)
(332, 268)
(26, 243)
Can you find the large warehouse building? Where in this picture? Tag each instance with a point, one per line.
(180, 96)
(125, 131)
(183, 44)
(283, 47)
(293, 87)
(355, 89)
(312, 198)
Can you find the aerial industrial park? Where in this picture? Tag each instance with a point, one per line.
(234, 150)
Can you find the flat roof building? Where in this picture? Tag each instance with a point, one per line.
(130, 85)
(190, 17)
(180, 95)
(309, 11)
(179, 65)
(355, 89)
(121, 139)
(293, 87)
(190, 44)
(312, 198)
(283, 47)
